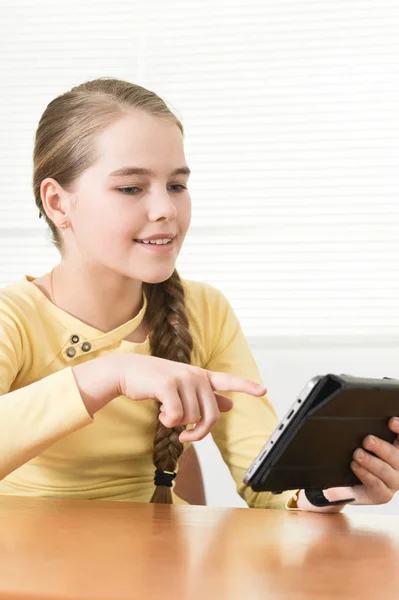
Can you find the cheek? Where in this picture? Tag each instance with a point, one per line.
(100, 217)
(100, 229)
(185, 215)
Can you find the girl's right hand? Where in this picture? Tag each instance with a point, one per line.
(187, 393)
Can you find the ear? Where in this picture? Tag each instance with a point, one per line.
(56, 202)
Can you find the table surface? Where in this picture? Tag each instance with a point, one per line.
(81, 549)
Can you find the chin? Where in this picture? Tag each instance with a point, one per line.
(158, 277)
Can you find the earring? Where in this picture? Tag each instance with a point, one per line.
(64, 226)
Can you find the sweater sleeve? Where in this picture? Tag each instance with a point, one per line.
(242, 432)
(35, 416)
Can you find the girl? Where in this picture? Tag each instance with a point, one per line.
(113, 324)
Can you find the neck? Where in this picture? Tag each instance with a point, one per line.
(102, 299)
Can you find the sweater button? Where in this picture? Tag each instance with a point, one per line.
(86, 346)
(75, 339)
(71, 352)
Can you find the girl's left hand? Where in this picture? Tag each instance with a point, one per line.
(379, 474)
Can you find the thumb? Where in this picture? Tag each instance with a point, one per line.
(394, 426)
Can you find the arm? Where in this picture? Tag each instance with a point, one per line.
(33, 417)
(241, 433)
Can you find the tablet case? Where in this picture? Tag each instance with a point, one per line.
(316, 449)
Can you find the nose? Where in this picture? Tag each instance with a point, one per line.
(161, 207)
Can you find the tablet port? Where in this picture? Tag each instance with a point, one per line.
(290, 415)
(262, 456)
(281, 426)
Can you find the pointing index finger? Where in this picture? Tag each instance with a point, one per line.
(225, 382)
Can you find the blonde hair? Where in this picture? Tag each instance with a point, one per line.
(64, 148)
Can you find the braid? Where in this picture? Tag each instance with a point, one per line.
(169, 338)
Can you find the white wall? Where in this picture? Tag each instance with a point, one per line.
(286, 365)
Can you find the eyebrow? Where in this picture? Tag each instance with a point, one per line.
(125, 171)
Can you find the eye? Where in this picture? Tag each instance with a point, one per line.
(182, 187)
(127, 190)
(133, 190)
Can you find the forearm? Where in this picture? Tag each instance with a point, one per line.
(37, 415)
(34, 417)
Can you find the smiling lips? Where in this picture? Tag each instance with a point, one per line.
(159, 239)
(160, 242)
(159, 245)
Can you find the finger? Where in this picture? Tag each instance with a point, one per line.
(225, 382)
(384, 450)
(376, 488)
(224, 403)
(210, 415)
(191, 409)
(394, 426)
(171, 410)
(377, 467)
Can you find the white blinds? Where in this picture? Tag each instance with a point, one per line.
(291, 113)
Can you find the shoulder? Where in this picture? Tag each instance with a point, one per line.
(15, 316)
(21, 306)
(204, 299)
(11, 299)
(16, 300)
(210, 314)
(23, 330)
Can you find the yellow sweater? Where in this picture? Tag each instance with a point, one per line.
(51, 446)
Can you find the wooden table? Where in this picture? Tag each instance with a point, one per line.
(100, 550)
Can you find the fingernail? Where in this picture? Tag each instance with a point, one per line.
(371, 440)
(360, 455)
(396, 422)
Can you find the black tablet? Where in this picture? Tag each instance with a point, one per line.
(313, 444)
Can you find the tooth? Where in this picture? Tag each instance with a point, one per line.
(156, 242)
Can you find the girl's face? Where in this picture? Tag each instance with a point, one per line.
(148, 197)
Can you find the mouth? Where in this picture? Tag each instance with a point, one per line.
(160, 246)
(160, 242)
